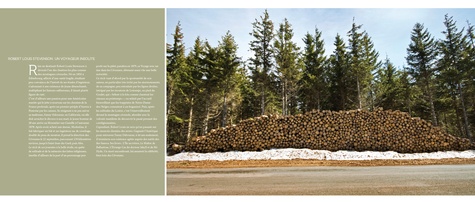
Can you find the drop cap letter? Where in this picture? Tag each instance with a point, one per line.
(33, 69)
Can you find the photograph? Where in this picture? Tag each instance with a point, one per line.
(320, 101)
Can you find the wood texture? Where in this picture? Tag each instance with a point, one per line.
(355, 130)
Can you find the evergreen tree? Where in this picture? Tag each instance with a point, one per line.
(470, 42)
(452, 70)
(314, 86)
(229, 64)
(421, 56)
(286, 55)
(469, 52)
(338, 76)
(389, 87)
(212, 72)
(176, 65)
(363, 62)
(250, 106)
(193, 80)
(469, 65)
(262, 63)
(407, 91)
(371, 65)
(356, 64)
(188, 86)
(175, 60)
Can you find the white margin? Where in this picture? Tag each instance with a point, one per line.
(235, 4)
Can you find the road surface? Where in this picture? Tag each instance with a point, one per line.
(377, 180)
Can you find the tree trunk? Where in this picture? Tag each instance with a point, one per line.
(205, 121)
(190, 121)
(286, 96)
(231, 114)
(444, 114)
(343, 95)
(283, 97)
(464, 111)
(371, 98)
(225, 112)
(432, 109)
(168, 103)
(169, 98)
(431, 102)
(319, 107)
(169, 95)
(458, 120)
(359, 92)
(263, 100)
(460, 126)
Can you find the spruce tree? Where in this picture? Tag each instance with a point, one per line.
(389, 87)
(407, 91)
(194, 81)
(229, 63)
(338, 74)
(262, 66)
(452, 70)
(314, 85)
(286, 55)
(212, 72)
(175, 60)
(370, 66)
(176, 65)
(250, 100)
(421, 57)
(356, 63)
(469, 66)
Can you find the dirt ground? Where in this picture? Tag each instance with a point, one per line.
(303, 163)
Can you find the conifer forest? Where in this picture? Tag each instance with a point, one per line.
(210, 87)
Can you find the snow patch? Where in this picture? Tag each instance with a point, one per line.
(288, 154)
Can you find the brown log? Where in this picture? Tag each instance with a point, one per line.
(344, 130)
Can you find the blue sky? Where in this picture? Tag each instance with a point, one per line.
(389, 28)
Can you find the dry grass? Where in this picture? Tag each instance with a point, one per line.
(301, 163)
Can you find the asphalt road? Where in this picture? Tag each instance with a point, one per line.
(378, 180)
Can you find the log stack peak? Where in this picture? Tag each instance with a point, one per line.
(355, 130)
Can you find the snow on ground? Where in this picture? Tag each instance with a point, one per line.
(288, 154)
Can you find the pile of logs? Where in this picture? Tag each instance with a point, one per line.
(355, 130)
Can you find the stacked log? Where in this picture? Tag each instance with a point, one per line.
(356, 130)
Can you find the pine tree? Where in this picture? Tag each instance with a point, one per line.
(389, 88)
(187, 86)
(452, 70)
(262, 63)
(175, 60)
(212, 72)
(469, 52)
(469, 65)
(356, 62)
(407, 91)
(314, 90)
(229, 64)
(193, 79)
(338, 74)
(370, 64)
(286, 55)
(421, 56)
(176, 63)
(250, 99)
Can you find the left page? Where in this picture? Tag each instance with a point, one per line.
(82, 102)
